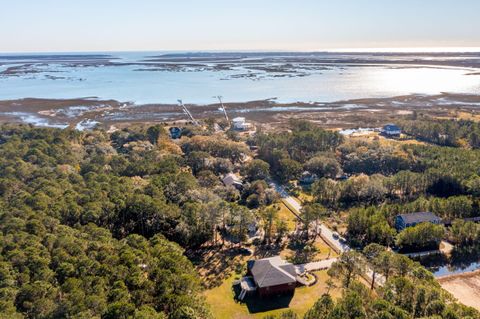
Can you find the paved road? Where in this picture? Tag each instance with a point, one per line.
(324, 231)
(293, 204)
(333, 239)
(327, 234)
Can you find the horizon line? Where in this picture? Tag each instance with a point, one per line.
(451, 49)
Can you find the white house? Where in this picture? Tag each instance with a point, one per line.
(240, 124)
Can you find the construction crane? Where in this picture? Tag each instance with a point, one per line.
(219, 97)
(187, 112)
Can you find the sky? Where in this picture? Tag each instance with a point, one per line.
(265, 25)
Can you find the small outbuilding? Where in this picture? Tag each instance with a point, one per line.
(272, 276)
(409, 220)
(391, 130)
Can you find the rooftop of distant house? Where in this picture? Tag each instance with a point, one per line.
(391, 127)
(419, 217)
(231, 179)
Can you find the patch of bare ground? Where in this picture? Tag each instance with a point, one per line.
(465, 287)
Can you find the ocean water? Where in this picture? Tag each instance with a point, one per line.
(145, 82)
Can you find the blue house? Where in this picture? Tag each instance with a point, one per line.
(175, 132)
(408, 220)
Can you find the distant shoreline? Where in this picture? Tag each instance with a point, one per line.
(369, 112)
(469, 59)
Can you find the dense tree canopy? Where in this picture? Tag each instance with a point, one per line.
(287, 152)
(50, 270)
(86, 218)
(444, 132)
(92, 223)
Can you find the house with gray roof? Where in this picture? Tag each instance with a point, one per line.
(272, 276)
(233, 180)
(391, 130)
(403, 221)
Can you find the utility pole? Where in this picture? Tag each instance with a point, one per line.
(219, 97)
(187, 112)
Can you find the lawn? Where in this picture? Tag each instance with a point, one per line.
(324, 251)
(225, 307)
(298, 254)
(287, 216)
(304, 197)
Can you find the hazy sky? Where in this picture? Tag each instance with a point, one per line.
(120, 25)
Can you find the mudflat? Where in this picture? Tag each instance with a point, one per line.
(370, 112)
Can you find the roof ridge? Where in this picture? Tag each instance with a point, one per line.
(265, 275)
(277, 268)
(284, 271)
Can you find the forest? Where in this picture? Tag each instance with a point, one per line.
(446, 132)
(375, 180)
(98, 225)
(95, 225)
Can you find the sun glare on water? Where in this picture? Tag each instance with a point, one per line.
(423, 79)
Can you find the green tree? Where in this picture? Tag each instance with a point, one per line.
(310, 213)
(420, 237)
(256, 169)
(464, 233)
(324, 166)
(372, 253)
(321, 309)
(348, 267)
(154, 132)
(349, 307)
(289, 169)
(269, 216)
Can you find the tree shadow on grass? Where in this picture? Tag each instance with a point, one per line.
(303, 251)
(215, 265)
(267, 251)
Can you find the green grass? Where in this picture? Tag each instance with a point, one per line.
(290, 207)
(287, 216)
(304, 197)
(323, 250)
(224, 306)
